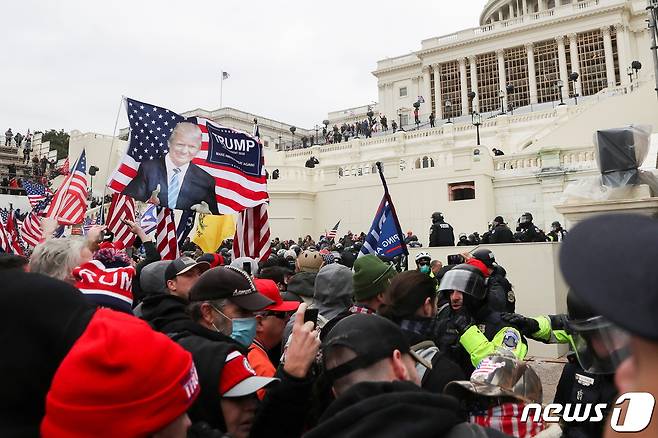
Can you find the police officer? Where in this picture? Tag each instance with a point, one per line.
(467, 329)
(557, 233)
(441, 233)
(527, 231)
(500, 232)
(500, 295)
(463, 240)
(616, 277)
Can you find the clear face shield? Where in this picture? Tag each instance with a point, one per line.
(599, 344)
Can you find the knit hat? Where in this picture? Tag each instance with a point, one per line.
(152, 278)
(212, 258)
(106, 287)
(309, 261)
(371, 276)
(111, 257)
(120, 379)
(239, 379)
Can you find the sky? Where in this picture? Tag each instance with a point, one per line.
(67, 63)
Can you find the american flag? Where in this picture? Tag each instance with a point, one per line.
(31, 229)
(69, 204)
(165, 234)
(332, 233)
(35, 192)
(122, 208)
(91, 221)
(65, 169)
(236, 187)
(11, 234)
(5, 240)
(252, 234)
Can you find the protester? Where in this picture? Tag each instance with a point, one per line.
(376, 387)
(303, 282)
(182, 274)
(13, 261)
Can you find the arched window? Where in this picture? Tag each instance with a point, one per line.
(431, 162)
(417, 163)
(340, 172)
(426, 162)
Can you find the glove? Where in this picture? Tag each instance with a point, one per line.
(201, 208)
(462, 321)
(527, 326)
(559, 322)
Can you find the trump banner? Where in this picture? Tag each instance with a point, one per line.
(189, 163)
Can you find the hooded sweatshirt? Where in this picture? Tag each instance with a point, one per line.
(394, 409)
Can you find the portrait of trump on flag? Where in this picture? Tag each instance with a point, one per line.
(189, 163)
(173, 180)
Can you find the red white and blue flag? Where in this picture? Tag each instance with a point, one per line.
(31, 228)
(332, 233)
(35, 192)
(165, 235)
(121, 209)
(69, 204)
(233, 158)
(9, 239)
(252, 234)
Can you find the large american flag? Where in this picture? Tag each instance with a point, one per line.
(122, 208)
(69, 204)
(150, 129)
(35, 192)
(252, 234)
(165, 234)
(31, 228)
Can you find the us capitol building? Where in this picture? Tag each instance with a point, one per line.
(536, 79)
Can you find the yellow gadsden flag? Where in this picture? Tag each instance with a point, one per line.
(212, 230)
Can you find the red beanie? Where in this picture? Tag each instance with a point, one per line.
(120, 379)
(106, 287)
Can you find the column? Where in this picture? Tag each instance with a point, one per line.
(541, 5)
(438, 107)
(524, 3)
(511, 10)
(623, 51)
(562, 65)
(609, 58)
(500, 15)
(464, 85)
(575, 62)
(393, 102)
(532, 74)
(474, 83)
(427, 91)
(502, 79)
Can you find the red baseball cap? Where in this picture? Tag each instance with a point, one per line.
(239, 379)
(270, 290)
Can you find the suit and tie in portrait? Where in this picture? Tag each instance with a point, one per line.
(182, 183)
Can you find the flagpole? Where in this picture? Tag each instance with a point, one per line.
(109, 162)
(380, 169)
(221, 87)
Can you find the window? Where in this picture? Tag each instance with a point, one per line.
(404, 120)
(547, 70)
(403, 91)
(516, 71)
(488, 84)
(591, 55)
(461, 191)
(450, 88)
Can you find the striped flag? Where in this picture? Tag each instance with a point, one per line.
(252, 234)
(233, 158)
(31, 228)
(35, 192)
(65, 169)
(165, 235)
(5, 240)
(332, 233)
(149, 219)
(11, 235)
(122, 208)
(69, 204)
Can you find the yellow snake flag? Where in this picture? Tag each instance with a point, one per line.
(212, 230)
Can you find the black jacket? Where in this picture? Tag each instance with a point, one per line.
(501, 234)
(197, 185)
(394, 409)
(442, 234)
(500, 296)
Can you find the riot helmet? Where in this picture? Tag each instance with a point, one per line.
(486, 256)
(599, 344)
(555, 226)
(526, 218)
(466, 279)
(437, 216)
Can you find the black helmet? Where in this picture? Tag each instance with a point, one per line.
(437, 216)
(464, 278)
(486, 256)
(556, 224)
(600, 345)
(526, 217)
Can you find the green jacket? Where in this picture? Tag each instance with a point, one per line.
(479, 347)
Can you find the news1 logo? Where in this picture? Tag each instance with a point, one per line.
(637, 418)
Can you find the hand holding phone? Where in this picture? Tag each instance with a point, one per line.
(311, 315)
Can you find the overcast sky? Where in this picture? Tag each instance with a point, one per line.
(67, 63)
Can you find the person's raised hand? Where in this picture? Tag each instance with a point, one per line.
(304, 345)
(154, 196)
(136, 229)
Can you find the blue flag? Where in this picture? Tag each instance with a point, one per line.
(384, 237)
(149, 220)
(185, 226)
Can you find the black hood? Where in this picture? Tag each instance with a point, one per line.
(166, 313)
(388, 409)
(499, 270)
(40, 320)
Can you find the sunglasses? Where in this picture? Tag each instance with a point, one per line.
(280, 315)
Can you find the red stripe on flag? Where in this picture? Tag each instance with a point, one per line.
(165, 235)
(121, 208)
(252, 234)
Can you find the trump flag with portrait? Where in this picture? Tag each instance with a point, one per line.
(189, 163)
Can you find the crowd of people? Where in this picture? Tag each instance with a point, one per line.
(316, 340)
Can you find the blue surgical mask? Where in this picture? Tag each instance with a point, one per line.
(424, 269)
(244, 330)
